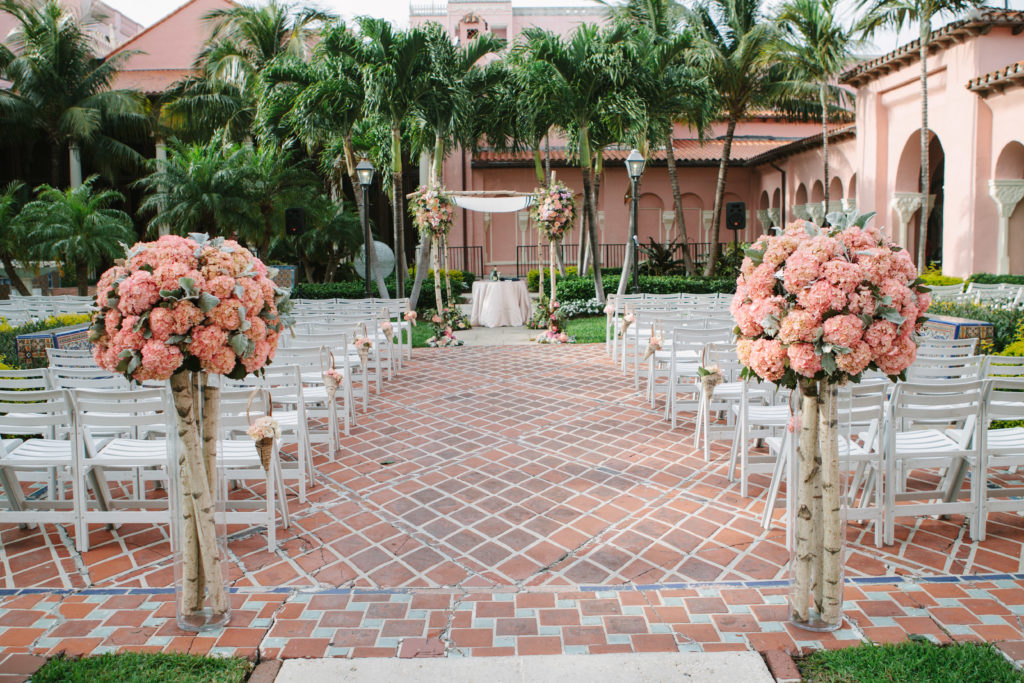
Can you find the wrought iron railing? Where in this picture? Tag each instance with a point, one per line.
(529, 256)
(469, 259)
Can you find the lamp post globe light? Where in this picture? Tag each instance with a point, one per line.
(635, 168)
(364, 171)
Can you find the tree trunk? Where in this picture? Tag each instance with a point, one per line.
(357, 190)
(538, 166)
(437, 165)
(421, 271)
(13, 276)
(824, 139)
(589, 197)
(82, 275)
(716, 217)
(264, 245)
(547, 160)
(922, 233)
(397, 206)
(54, 163)
(677, 202)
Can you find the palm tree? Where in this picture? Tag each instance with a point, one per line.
(896, 14)
(244, 39)
(202, 188)
(676, 92)
(11, 242)
(275, 183)
(60, 88)
(395, 67)
(816, 45)
(734, 45)
(78, 225)
(590, 73)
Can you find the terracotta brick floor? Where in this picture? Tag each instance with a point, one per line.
(509, 499)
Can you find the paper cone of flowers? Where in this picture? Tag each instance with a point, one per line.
(815, 308)
(181, 309)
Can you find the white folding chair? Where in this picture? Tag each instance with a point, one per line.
(127, 436)
(1003, 366)
(963, 368)
(41, 416)
(758, 416)
(946, 348)
(914, 441)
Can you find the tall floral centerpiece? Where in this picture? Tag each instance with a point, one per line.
(815, 308)
(433, 212)
(178, 310)
(554, 212)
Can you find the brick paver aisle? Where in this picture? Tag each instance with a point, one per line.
(509, 499)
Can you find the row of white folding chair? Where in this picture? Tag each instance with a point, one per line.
(346, 359)
(946, 348)
(861, 411)
(359, 322)
(619, 305)
(679, 365)
(321, 412)
(639, 334)
(722, 399)
(125, 436)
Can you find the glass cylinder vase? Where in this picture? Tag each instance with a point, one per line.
(817, 513)
(198, 523)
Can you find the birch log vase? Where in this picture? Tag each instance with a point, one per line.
(201, 598)
(551, 251)
(816, 564)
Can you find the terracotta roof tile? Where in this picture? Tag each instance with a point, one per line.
(997, 81)
(690, 151)
(955, 31)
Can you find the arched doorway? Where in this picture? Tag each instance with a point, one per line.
(1009, 174)
(763, 204)
(835, 192)
(693, 217)
(908, 181)
(648, 225)
(851, 190)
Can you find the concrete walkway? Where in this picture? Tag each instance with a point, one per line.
(706, 667)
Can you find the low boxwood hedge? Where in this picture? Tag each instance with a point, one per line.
(993, 279)
(461, 282)
(1005, 322)
(570, 288)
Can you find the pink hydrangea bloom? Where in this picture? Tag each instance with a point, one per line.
(168, 275)
(801, 269)
(138, 292)
(748, 324)
(206, 341)
(225, 314)
(161, 323)
(856, 360)
(880, 336)
(221, 361)
(768, 359)
(862, 301)
(186, 315)
(855, 239)
(160, 360)
(924, 300)
(798, 326)
(779, 250)
(743, 347)
(843, 274)
(843, 330)
(822, 247)
(822, 297)
(112, 321)
(803, 359)
(761, 281)
(899, 358)
(221, 286)
(761, 309)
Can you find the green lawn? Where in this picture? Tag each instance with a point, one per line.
(134, 667)
(910, 662)
(589, 330)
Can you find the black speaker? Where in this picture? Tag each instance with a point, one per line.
(294, 221)
(735, 215)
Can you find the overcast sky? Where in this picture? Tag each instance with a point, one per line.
(148, 11)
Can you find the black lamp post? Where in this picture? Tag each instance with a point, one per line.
(364, 171)
(635, 168)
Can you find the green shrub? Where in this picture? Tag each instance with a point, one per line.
(355, 289)
(940, 280)
(1014, 349)
(533, 277)
(992, 279)
(1004, 322)
(572, 288)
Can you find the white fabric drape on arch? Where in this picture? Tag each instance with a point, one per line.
(493, 204)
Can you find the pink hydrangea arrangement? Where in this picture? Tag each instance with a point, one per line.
(554, 210)
(193, 304)
(433, 210)
(827, 304)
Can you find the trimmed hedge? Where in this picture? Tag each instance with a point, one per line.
(572, 288)
(461, 282)
(992, 279)
(533, 277)
(939, 280)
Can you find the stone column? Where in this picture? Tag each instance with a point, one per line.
(764, 219)
(906, 205)
(75, 164)
(1006, 194)
(775, 216)
(706, 219)
(849, 204)
(817, 212)
(801, 212)
(668, 218)
(600, 228)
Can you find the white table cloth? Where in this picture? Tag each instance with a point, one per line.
(500, 303)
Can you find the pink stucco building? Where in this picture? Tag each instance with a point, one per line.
(976, 154)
